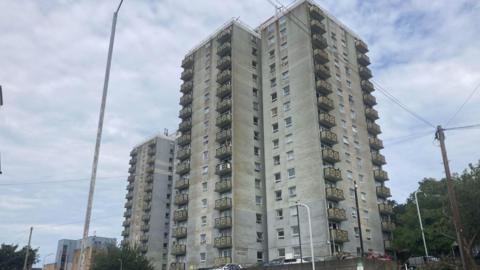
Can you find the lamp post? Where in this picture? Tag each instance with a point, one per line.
(310, 231)
(420, 221)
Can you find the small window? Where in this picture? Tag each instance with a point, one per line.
(274, 111)
(255, 106)
(288, 122)
(203, 257)
(258, 183)
(203, 239)
(272, 68)
(277, 176)
(276, 160)
(285, 76)
(281, 252)
(205, 170)
(279, 213)
(254, 64)
(275, 143)
(256, 151)
(288, 138)
(259, 237)
(275, 127)
(286, 90)
(286, 106)
(255, 92)
(254, 51)
(258, 218)
(280, 234)
(271, 54)
(258, 167)
(291, 173)
(205, 155)
(258, 200)
(204, 203)
(293, 211)
(295, 231)
(274, 96)
(292, 191)
(290, 155)
(256, 135)
(259, 256)
(205, 186)
(363, 195)
(255, 121)
(278, 195)
(204, 220)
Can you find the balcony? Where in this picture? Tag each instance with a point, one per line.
(185, 112)
(367, 86)
(147, 198)
(187, 74)
(179, 232)
(151, 151)
(325, 103)
(186, 87)
(150, 169)
(223, 169)
(223, 186)
(151, 159)
(223, 135)
(380, 175)
(339, 236)
(185, 125)
(181, 184)
(383, 192)
(319, 41)
(132, 161)
(181, 199)
(223, 203)
(323, 87)
(145, 227)
(328, 137)
(371, 114)
(224, 105)
(127, 214)
(375, 143)
(221, 261)
(224, 90)
(223, 222)
(130, 186)
(224, 62)
(180, 215)
(385, 208)
(322, 71)
(129, 195)
(330, 156)
(369, 100)
(224, 49)
(223, 152)
(224, 76)
(178, 249)
(326, 120)
(316, 13)
(378, 159)
(144, 238)
(388, 226)
(184, 140)
(125, 233)
(365, 73)
(177, 266)
(224, 35)
(224, 120)
(373, 128)
(126, 223)
(222, 242)
(128, 204)
(131, 178)
(146, 217)
(183, 168)
(131, 169)
(361, 46)
(363, 59)
(337, 214)
(186, 99)
(320, 56)
(334, 194)
(134, 152)
(187, 61)
(183, 154)
(317, 27)
(332, 174)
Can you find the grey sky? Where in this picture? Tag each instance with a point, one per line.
(52, 60)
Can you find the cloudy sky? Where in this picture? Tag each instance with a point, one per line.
(52, 60)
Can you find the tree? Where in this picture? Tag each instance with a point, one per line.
(12, 259)
(437, 218)
(111, 257)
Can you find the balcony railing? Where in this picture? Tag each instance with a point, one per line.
(317, 27)
(369, 100)
(179, 232)
(337, 214)
(373, 128)
(224, 76)
(322, 71)
(378, 159)
(129, 195)
(319, 41)
(222, 242)
(147, 207)
(223, 186)
(184, 139)
(330, 155)
(339, 236)
(325, 103)
(130, 186)
(367, 86)
(224, 120)
(380, 175)
(328, 137)
(383, 192)
(224, 105)
(223, 152)
(150, 169)
(187, 74)
(131, 178)
(146, 217)
(183, 168)
(375, 143)
(181, 184)
(385, 208)
(185, 125)
(178, 249)
(323, 87)
(132, 161)
(224, 35)
(144, 238)
(361, 46)
(128, 204)
(334, 194)
(145, 227)
(371, 114)
(363, 59)
(125, 233)
(187, 61)
(224, 49)
(365, 73)
(126, 223)
(224, 62)
(181, 199)
(131, 169)
(224, 90)
(223, 203)
(320, 56)
(223, 135)
(220, 261)
(186, 99)
(326, 119)
(127, 213)
(223, 222)
(388, 226)
(177, 266)
(316, 13)
(184, 154)
(147, 197)
(185, 112)
(180, 215)
(186, 87)
(332, 174)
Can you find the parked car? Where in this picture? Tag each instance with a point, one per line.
(229, 266)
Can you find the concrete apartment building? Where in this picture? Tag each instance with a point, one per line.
(270, 117)
(68, 252)
(147, 210)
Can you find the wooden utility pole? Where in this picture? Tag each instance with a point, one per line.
(440, 136)
(28, 249)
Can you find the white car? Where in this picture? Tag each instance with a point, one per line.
(229, 266)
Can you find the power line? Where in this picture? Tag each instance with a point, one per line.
(465, 102)
(59, 181)
(409, 138)
(464, 127)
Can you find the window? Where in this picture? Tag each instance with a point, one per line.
(344, 124)
(363, 195)
(282, 22)
(353, 115)
(255, 92)
(256, 135)
(285, 76)
(271, 40)
(286, 106)
(292, 191)
(280, 233)
(286, 90)
(295, 231)
(277, 176)
(293, 211)
(258, 200)
(254, 78)
(284, 62)
(281, 252)
(203, 257)
(255, 106)
(203, 238)
(205, 155)
(255, 121)
(291, 173)
(276, 160)
(350, 175)
(258, 183)
(258, 218)
(369, 234)
(274, 112)
(205, 170)
(278, 195)
(204, 220)
(288, 122)
(205, 186)
(279, 213)
(273, 83)
(271, 54)
(290, 155)
(259, 237)
(258, 167)
(272, 68)
(275, 127)
(354, 212)
(357, 232)
(360, 178)
(274, 96)
(349, 84)
(204, 203)
(254, 51)
(275, 144)
(288, 138)
(254, 64)
(259, 256)
(256, 151)
(283, 46)
(296, 252)
(342, 107)
(283, 32)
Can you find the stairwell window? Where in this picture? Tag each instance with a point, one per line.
(291, 173)
(276, 160)
(281, 234)
(278, 195)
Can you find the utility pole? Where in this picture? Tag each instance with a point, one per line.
(98, 141)
(420, 221)
(440, 136)
(299, 236)
(28, 249)
(358, 219)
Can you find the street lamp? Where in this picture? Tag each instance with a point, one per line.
(310, 231)
(420, 221)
